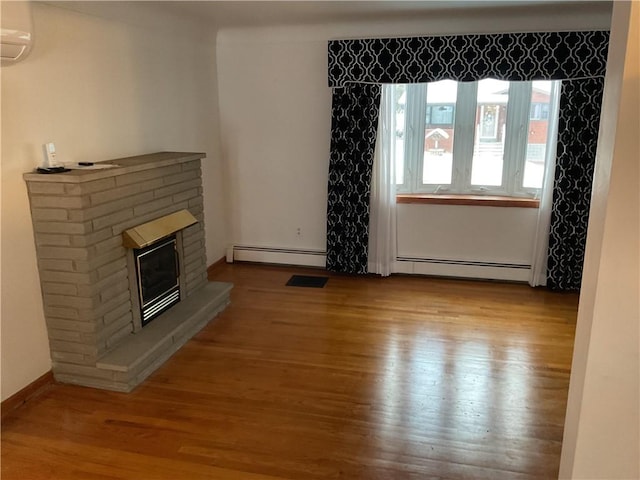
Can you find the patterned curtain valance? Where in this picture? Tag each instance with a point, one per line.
(508, 56)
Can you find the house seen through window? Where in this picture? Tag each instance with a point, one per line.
(489, 136)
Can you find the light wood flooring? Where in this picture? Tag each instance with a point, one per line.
(366, 378)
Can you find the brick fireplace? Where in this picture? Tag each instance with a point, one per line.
(87, 274)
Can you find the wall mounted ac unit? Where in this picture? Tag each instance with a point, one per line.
(16, 32)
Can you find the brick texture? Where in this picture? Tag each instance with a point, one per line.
(83, 266)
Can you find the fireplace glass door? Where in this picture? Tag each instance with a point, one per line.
(158, 278)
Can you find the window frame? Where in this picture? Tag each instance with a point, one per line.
(519, 107)
(429, 117)
(538, 111)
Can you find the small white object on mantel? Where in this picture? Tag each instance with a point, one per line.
(95, 166)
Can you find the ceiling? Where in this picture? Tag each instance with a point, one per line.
(240, 13)
(253, 13)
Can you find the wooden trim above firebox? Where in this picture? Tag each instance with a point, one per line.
(150, 232)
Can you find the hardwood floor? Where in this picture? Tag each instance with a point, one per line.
(366, 378)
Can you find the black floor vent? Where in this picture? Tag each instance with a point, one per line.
(307, 281)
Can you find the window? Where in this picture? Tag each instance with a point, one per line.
(539, 111)
(440, 114)
(485, 137)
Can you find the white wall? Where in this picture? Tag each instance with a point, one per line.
(602, 427)
(99, 89)
(275, 136)
(275, 119)
(497, 236)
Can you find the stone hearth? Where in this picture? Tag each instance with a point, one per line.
(89, 296)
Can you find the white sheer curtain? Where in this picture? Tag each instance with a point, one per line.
(382, 221)
(541, 242)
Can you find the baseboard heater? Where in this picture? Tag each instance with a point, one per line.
(285, 256)
(463, 268)
(408, 265)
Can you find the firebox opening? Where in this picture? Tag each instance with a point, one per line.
(158, 273)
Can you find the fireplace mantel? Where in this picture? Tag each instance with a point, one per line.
(78, 219)
(119, 166)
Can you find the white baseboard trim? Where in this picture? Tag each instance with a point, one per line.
(463, 269)
(284, 256)
(406, 265)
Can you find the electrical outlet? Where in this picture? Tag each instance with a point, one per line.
(299, 232)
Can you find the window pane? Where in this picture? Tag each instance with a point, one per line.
(491, 119)
(438, 132)
(400, 104)
(537, 139)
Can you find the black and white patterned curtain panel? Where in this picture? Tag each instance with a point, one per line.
(354, 126)
(576, 56)
(578, 125)
(508, 56)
